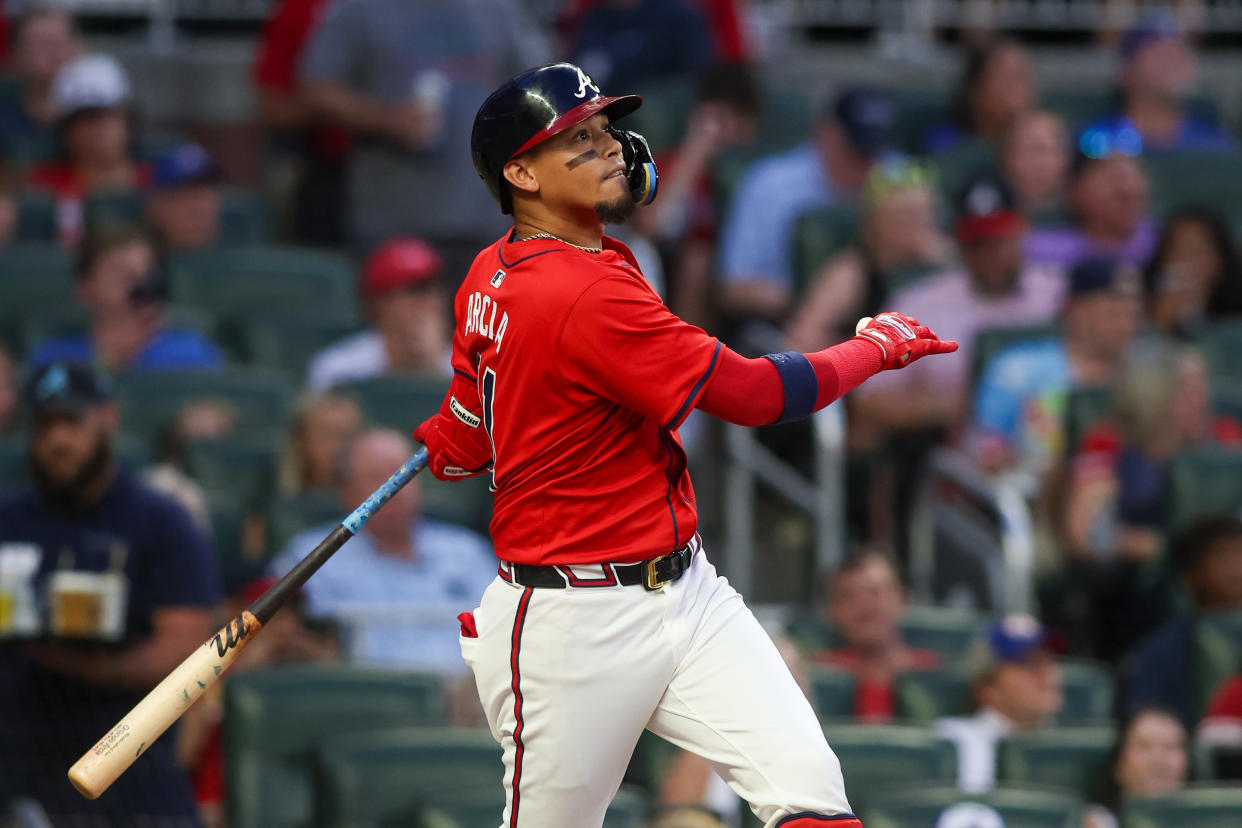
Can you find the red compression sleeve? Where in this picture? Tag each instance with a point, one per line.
(749, 391)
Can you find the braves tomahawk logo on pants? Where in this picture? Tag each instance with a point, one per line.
(569, 678)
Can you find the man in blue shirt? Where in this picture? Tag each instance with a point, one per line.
(1158, 74)
(123, 290)
(398, 587)
(756, 247)
(112, 585)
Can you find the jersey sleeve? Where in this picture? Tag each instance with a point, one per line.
(622, 343)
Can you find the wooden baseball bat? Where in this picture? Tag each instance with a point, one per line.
(100, 766)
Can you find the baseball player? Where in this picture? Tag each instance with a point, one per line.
(571, 380)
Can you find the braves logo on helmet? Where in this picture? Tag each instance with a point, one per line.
(584, 83)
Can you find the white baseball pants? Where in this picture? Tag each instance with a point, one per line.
(569, 678)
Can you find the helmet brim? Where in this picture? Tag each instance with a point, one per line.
(615, 108)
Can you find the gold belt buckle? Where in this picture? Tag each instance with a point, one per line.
(649, 572)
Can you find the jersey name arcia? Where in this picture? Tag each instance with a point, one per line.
(485, 317)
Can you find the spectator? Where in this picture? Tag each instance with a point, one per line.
(1208, 556)
(1035, 157)
(1158, 75)
(625, 44)
(317, 200)
(996, 288)
(9, 407)
(897, 230)
(1150, 759)
(865, 602)
(1017, 685)
(398, 593)
(8, 205)
(185, 203)
(1195, 275)
(95, 126)
(1107, 199)
(120, 284)
(756, 267)
(969, 815)
(406, 79)
(323, 426)
(1022, 393)
(683, 220)
(725, 19)
(1222, 722)
(44, 38)
(995, 89)
(128, 584)
(205, 419)
(405, 300)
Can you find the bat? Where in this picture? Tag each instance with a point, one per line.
(100, 766)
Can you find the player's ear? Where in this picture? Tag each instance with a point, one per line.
(521, 175)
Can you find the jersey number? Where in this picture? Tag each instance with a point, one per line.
(487, 390)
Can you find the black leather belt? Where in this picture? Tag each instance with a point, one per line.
(652, 574)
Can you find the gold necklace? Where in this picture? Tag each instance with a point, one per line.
(559, 239)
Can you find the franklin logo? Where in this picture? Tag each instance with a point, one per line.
(470, 419)
(497, 278)
(584, 83)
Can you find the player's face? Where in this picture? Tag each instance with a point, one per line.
(581, 169)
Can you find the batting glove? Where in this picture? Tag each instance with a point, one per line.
(901, 339)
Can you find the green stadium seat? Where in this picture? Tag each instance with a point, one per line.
(727, 172)
(878, 759)
(818, 236)
(922, 696)
(1221, 342)
(276, 719)
(1088, 688)
(954, 166)
(628, 809)
(33, 277)
(287, 342)
(832, 693)
(243, 465)
(287, 516)
(13, 454)
(662, 117)
(787, 117)
(1184, 178)
(1227, 398)
(1084, 408)
(1204, 480)
(1080, 107)
(36, 219)
(241, 282)
(991, 341)
(1216, 654)
(917, 110)
(947, 631)
(150, 401)
(1196, 807)
(228, 518)
(1070, 758)
(112, 208)
(1020, 808)
(244, 218)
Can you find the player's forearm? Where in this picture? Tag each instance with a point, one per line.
(776, 388)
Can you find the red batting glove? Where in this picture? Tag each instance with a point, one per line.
(901, 339)
(468, 455)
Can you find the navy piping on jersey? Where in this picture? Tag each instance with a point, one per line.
(465, 376)
(666, 439)
(519, 621)
(698, 386)
(799, 383)
(816, 817)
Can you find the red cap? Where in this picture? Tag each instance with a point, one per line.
(400, 263)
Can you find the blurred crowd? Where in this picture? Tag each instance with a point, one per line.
(197, 380)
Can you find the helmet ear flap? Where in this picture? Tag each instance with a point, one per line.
(640, 167)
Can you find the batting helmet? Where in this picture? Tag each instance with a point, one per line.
(536, 105)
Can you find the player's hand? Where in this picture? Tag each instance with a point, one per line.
(453, 453)
(901, 339)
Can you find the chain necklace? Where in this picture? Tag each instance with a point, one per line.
(559, 239)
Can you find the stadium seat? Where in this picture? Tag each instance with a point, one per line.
(1071, 758)
(954, 166)
(1019, 808)
(243, 465)
(287, 516)
(922, 696)
(1088, 688)
(287, 342)
(1216, 654)
(818, 236)
(832, 693)
(1227, 398)
(877, 759)
(228, 518)
(276, 719)
(13, 454)
(1196, 807)
(32, 277)
(917, 110)
(1221, 342)
(36, 219)
(727, 172)
(1082, 106)
(244, 218)
(149, 401)
(628, 809)
(241, 282)
(1084, 408)
(1184, 178)
(112, 208)
(787, 117)
(1204, 480)
(662, 117)
(944, 630)
(991, 341)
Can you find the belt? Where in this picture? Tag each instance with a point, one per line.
(651, 574)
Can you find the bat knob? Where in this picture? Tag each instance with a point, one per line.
(862, 323)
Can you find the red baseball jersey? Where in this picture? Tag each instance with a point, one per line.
(584, 377)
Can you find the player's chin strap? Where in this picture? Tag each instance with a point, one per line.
(640, 168)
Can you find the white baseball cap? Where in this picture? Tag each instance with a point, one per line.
(970, 815)
(90, 82)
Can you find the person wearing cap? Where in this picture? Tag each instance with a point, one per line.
(756, 259)
(1021, 397)
(1016, 684)
(44, 38)
(1158, 74)
(183, 208)
(93, 98)
(123, 289)
(404, 297)
(995, 287)
(123, 585)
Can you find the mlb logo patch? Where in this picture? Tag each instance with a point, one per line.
(497, 278)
